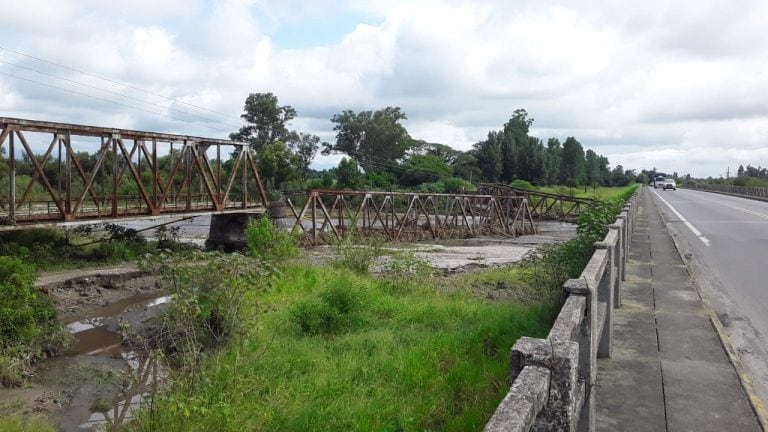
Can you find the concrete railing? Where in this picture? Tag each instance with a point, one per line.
(552, 379)
(760, 193)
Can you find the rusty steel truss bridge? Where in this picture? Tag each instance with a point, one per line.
(57, 173)
(83, 170)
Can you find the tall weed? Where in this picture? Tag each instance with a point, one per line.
(269, 243)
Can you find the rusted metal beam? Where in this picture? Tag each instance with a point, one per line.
(96, 131)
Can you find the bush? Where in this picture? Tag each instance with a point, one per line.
(28, 325)
(434, 187)
(458, 185)
(357, 257)
(336, 310)
(21, 312)
(405, 270)
(269, 243)
(522, 184)
(207, 311)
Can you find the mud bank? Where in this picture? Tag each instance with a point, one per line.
(79, 389)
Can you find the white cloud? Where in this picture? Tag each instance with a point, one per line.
(645, 83)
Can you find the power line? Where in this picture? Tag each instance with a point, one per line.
(116, 82)
(109, 101)
(118, 94)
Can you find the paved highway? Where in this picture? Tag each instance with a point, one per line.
(725, 240)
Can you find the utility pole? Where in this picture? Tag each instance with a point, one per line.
(728, 173)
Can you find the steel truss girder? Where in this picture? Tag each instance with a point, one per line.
(120, 152)
(331, 215)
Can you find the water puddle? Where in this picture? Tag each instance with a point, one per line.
(96, 336)
(97, 341)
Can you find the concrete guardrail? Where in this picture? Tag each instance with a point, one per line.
(754, 192)
(552, 379)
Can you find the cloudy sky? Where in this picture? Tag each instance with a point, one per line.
(681, 86)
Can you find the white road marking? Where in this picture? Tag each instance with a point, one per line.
(693, 229)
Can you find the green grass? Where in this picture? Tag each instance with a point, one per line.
(377, 357)
(18, 423)
(605, 193)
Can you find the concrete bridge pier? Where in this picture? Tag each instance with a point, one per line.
(227, 230)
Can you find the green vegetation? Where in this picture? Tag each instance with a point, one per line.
(572, 257)
(600, 192)
(28, 322)
(335, 348)
(213, 295)
(51, 249)
(19, 423)
(339, 350)
(269, 243)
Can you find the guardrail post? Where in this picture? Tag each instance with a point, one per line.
(561, 358)
(620, 226)
(628, 208)
(605, 293)
(587, 350)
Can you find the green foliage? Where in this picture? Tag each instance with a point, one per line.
(278, 164)
(434, 187)
(20, 308)
(28, 324)
(265, 120)
(458, 185)
(305, 146)
(347, 175)
(335, 310)
(379, 179)
(19, 423)
(420, 168)
(521, 184)
(404, 270)
(358, 257)
(448, 352)
(572, 163)
(370, 137)
(207, 311)
(570, 258)
(269, 243)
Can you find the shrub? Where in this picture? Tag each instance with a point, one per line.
(521, 184)
(434, 187)
(269, 243)
(28, 325)
(405, 270)
(334, 311)
(458, 185)
(357, 257)
(208, 302)
(20, 308)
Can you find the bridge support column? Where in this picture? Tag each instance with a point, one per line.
(227, 230)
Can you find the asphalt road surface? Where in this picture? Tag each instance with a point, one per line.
(725, 241)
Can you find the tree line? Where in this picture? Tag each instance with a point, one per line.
(380, 153)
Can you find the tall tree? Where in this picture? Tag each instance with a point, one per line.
(572, 169)
(305, 145)
(425, 168)
(277, 164)
(552, 157)
(370, 137)
(592, 168)
(265, 121)
(488, 155)
(347, 175)
(517, 157)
